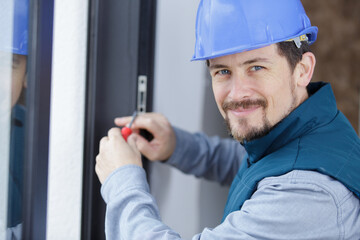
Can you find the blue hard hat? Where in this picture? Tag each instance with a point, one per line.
(20, 29)
(15, 34)
(225, 27)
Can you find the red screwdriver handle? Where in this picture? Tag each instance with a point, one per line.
(126, 132)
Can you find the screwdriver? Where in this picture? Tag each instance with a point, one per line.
(126, 131)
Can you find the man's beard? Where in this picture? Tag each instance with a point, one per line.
(254, 132)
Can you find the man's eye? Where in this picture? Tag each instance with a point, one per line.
(256, 68)
(224, 72)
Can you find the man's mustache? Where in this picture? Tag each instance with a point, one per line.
(232, 105)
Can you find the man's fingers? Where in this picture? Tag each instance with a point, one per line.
(147, 122)
(144, 147)
(104, 140)
(102, 143)
(98, 170)
(122, 121)
(152, 122)
(133, 138)
(97, 158)
(114, 133)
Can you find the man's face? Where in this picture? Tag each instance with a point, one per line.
(18, 77)
(254, 90)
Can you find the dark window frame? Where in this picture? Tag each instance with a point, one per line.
(121, 42)
(41, 14)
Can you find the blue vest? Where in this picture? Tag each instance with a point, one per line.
(16, 168)
(316, 136)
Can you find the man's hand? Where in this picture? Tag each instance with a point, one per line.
(115, 152)
(162, 145)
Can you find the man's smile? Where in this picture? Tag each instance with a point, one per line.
(243, 112)
(244, 108)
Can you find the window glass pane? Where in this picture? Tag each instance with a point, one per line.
(13, 65)
(5, 106)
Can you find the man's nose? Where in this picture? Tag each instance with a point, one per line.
(240, 87)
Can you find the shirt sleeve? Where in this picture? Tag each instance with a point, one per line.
(279, 209)
(283, 208)
(131, 211)
(209, 157)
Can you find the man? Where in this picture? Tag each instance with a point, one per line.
(17, 49)
(299, 178)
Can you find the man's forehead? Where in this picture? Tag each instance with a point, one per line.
(265, 54)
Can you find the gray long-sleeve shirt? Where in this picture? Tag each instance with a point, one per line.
(297, 205)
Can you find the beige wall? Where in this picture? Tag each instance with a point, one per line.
(338, 50)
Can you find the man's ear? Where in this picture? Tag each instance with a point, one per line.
(305, 69)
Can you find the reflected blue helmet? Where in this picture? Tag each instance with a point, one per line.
(20, 29)
(225, 27)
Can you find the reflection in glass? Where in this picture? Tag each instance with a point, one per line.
(13, 65)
